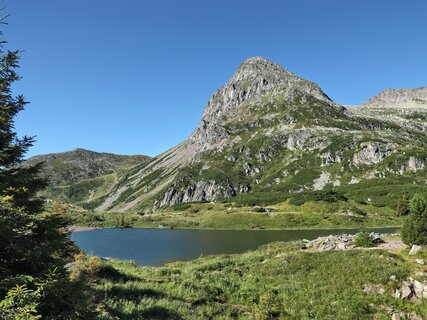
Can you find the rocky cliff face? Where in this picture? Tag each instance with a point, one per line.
(269, 135)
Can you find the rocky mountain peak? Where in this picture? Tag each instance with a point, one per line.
(412, 97)
(254, 78)
(258, 64)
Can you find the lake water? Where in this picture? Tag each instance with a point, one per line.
(155, 247)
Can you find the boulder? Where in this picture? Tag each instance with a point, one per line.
(406, 292)
(418, 288)
(414, 250)
(420, 261)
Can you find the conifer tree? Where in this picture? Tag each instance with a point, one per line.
(402, 206)
(414, 231)
(34, 246)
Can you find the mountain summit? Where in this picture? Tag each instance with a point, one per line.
(254, 79)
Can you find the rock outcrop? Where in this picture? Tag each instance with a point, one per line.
(373, 152)
(340, 242)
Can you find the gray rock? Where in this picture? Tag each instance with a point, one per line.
(415, 164)
(198, 191)
(406, 291)
(320, 182)
(405, 316)
(414, 250)
(396, 316)
(341, 242)
(372, 153)
(418, 288)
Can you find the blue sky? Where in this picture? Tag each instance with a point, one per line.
(133, 76)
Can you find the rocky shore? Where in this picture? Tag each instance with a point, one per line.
(80, 229)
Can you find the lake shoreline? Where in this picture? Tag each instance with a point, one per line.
(89, 228)
(155, 247)
(81, 229)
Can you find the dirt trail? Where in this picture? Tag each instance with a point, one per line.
(392, 245)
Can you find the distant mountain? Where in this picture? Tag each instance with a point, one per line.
(416, 98)
(82, 175)
(268, 136)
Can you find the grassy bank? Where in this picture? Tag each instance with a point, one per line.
(276, 281)
(319, 214)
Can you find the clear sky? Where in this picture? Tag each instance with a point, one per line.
(133, 76)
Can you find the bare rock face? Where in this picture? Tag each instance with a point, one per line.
(399, 97)
(322, 181)
(415, 164)
(199, 191)
(372, 152)
(330, 158)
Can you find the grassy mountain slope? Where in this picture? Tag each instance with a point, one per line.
(80, 176)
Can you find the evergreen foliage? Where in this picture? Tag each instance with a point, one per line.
(414, 230)
(34, 246)
(402, 206)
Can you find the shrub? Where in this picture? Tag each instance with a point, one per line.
(363, 239)
(85, 268)
(328, 196)
(402, 206)
(20, 303)
(180, 206)
(414, 230)
(418, 204)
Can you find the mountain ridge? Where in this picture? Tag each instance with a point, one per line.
(70, 172)
(405, 97)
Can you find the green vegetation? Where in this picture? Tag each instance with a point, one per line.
(414, 230)
(282, 215)
(275, 281)
(382, 192)
(402, 206)
(363, 239)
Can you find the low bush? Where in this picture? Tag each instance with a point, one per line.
(414, 230)
(363, 239)
(328, 196)
(180, 206)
